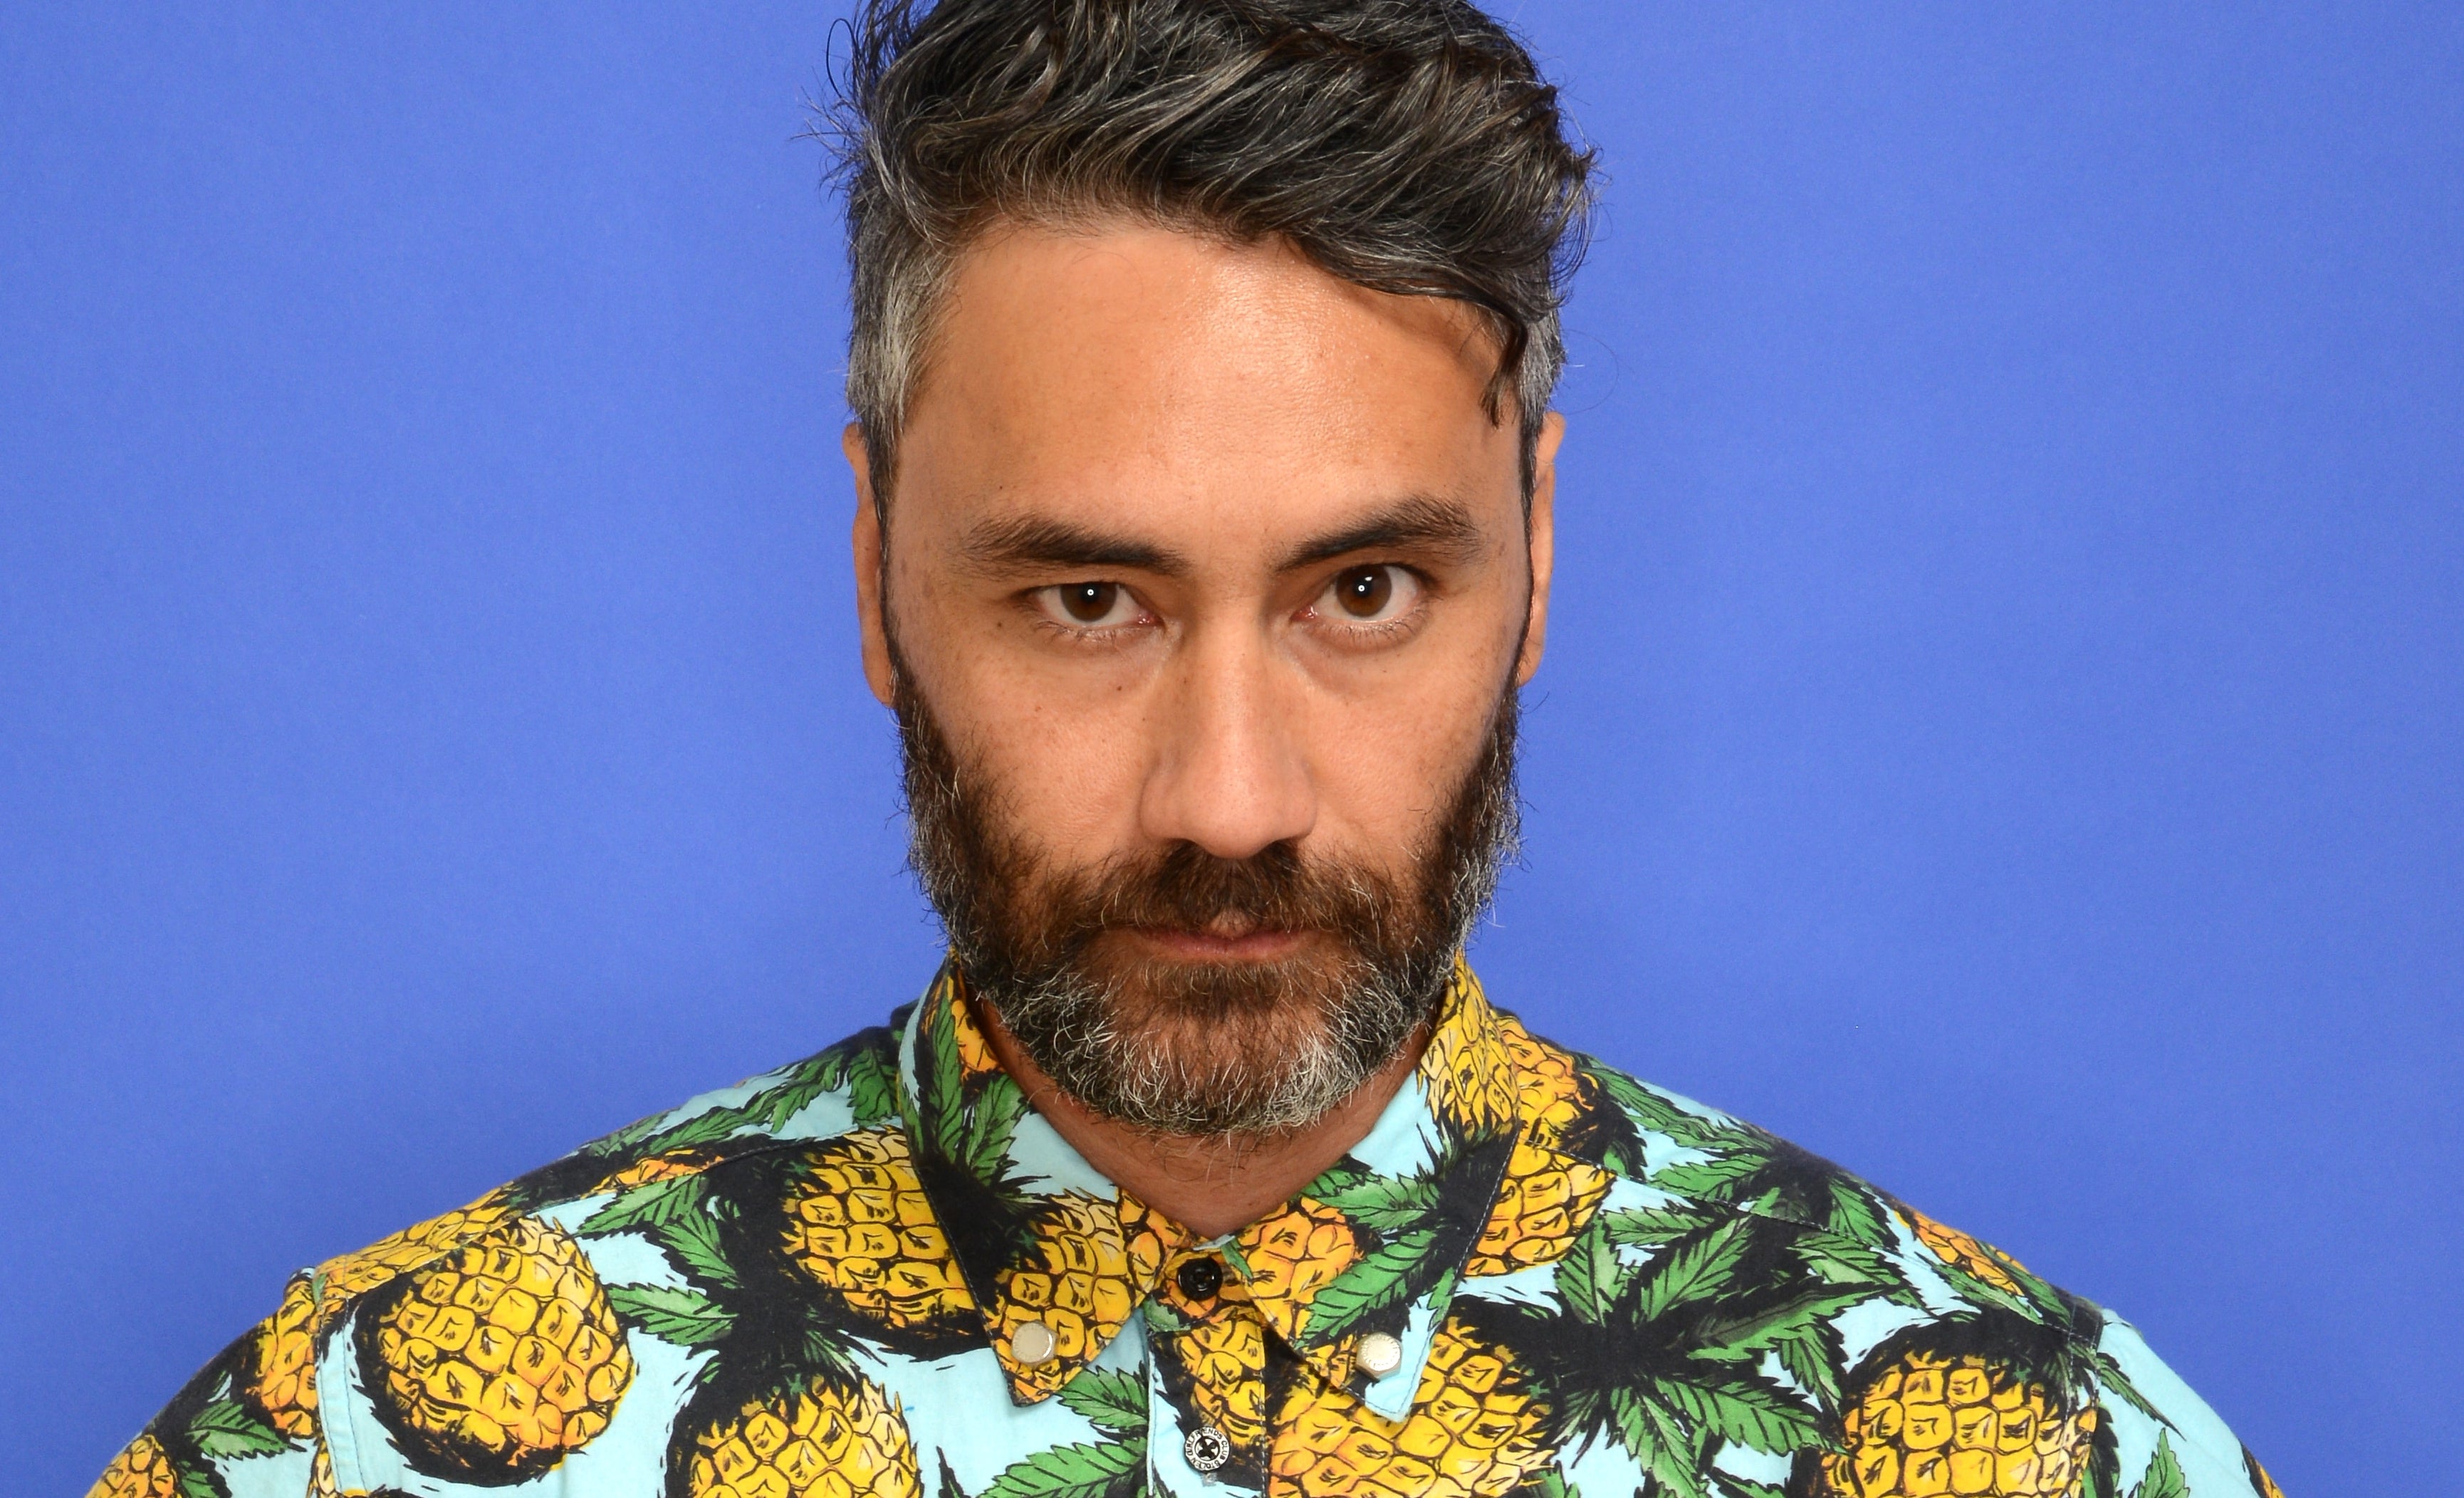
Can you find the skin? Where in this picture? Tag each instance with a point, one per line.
(1227, 435)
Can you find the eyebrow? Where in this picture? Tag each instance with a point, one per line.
(1417, 523)
(1016, 545)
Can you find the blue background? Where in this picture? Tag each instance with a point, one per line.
(2001, 730)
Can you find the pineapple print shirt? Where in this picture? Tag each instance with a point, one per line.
(879, 1272)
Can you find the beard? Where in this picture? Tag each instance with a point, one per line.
(1223, 1049)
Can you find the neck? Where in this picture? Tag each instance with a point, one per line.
(1211, 1184)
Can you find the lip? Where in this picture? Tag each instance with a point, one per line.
(1206, 946)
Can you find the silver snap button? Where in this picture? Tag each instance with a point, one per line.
(1380, 1354)
(1031, 1344)
(1207, 1449)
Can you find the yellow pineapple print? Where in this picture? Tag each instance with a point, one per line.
(143, 1469)
(1473, 1430)
(975, 1057)
(1542, 1204)
(1932, 1423)
(1961, 1251)
(1226, 1356)
(1552, 1094)
(1292, 1255)
(1464, 1070)
(669, 1165)
(354, 1275)
(1078, 1282)
(500, 1357)
(858, 1222)
(818, 1441)
(282, 1362)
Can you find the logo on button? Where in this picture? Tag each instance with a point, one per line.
(1207, 1449)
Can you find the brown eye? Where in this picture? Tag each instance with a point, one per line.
(1364, 592)
(1090, 602)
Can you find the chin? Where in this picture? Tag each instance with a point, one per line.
(1225, 1046)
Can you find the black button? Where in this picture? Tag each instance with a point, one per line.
(1199, 1278)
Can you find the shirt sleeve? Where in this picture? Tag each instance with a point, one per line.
(2169, 1443)
(245, 1426)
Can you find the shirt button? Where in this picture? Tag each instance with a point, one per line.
(1207, 1449)
(1199, 1278)
(1380, 1354)
(1031, 1344)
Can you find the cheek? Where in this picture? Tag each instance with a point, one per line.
(1389, 763)
(1064, 749)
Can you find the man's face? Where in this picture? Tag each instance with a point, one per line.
(1207, 586)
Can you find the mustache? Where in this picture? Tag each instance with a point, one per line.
(1184, 888)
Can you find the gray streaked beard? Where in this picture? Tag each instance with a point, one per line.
(1202, 1048)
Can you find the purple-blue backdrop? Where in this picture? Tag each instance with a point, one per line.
(2001, 730)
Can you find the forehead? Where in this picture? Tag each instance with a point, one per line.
(1148, 377)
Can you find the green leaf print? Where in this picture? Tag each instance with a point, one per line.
(1695, 1270)
(991, 1124)
(1379, 1279)
(1077, 1471)
(945, 1084)
(1649, 1227)
(1113, 1402)
(1843, 1261)
(1743, 1409)
(1706, 1178)
(1588, 1278)
(222, 1430)
(693, 1244)
(1667, 1448)
(773, 1108)
(872, 1088)
(1386, 1203)
(2162, 1478)
(2110, 1373)
(648, 1206)
(1652, 1112)
(682, 1316)
(1635, 1429)
(1809, 1360)
(767, 1110)
(1855, 1213)
(674, 1215)
(1731, 1340)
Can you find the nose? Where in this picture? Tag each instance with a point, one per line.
(1228, 771)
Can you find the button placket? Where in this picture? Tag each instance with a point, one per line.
(1210, 1347)
(1188, 1455)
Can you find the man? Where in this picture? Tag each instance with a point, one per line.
(1201, 366)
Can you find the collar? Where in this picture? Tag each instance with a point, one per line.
(1376, 1244)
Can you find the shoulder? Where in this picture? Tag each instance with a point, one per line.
(490, 1340)
(849, 1087)
(1900, 1344)
(1696, 1162)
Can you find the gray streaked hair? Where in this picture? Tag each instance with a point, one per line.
(1409, 147)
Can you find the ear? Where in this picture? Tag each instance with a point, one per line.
(1541, 532)
(867, 544)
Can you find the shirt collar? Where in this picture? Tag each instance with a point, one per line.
(1376, 1244)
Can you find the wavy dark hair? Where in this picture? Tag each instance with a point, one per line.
(1407, 145)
